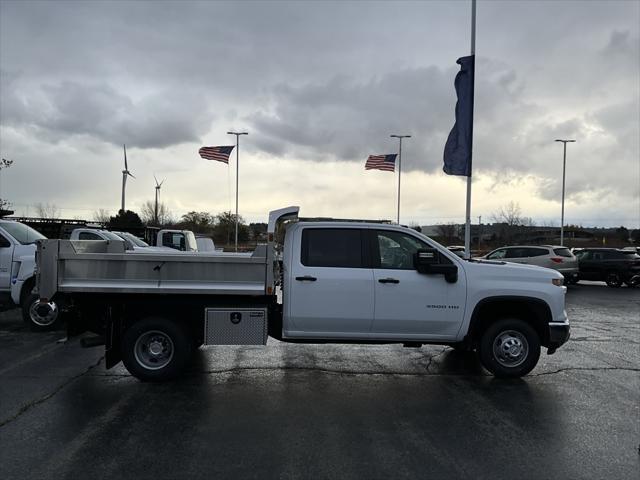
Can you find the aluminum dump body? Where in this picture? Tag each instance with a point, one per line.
(69, 266)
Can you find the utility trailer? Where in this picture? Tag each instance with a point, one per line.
(321, 281)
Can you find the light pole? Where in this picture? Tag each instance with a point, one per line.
(564, 167)
(237, 134)
(399, 137)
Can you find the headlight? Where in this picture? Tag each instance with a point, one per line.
(557, 281)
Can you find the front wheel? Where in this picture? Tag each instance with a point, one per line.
(613, 280)
(509, 348)
(156, 349)
(40, 317)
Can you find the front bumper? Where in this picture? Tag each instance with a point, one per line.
(559, 333)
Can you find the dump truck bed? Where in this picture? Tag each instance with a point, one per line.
(69, 266)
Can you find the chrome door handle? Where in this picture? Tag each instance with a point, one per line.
(389, 280)
(306, 278)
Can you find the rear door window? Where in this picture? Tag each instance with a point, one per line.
(89, 236)
(584, 255)
(536, 252)
(498, 254)
(332, 247)
(516, 253)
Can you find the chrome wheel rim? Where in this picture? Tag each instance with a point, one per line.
(43, 314)
(510, 348)
(153, 350)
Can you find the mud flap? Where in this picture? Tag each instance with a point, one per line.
(113, 334)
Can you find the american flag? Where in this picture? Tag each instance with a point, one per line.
(381, 162)
(221, 154)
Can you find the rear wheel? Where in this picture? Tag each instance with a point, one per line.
(509, 348)
(613, 280)
(156, 349)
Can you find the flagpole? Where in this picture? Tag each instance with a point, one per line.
(467, 229)
(399, 137)
(237, 134)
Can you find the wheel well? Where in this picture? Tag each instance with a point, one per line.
(533, 311)
(27, 287)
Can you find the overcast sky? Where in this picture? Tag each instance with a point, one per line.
(319, 86)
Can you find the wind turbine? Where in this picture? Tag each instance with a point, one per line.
(125, 173)
(158, 186)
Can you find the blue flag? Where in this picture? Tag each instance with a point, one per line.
(458, 149)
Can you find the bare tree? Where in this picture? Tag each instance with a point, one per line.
(102, 215)
(509, 214)
(511, 221)
(448, 232)
(4, 163)
(47, 210)
(415, 226)
(148, 213)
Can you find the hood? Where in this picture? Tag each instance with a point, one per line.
(512, 269)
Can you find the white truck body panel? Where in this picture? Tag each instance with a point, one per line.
(339, 303)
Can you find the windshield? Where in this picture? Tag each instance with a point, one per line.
(22, 233)
(111, 235)
(133, 239)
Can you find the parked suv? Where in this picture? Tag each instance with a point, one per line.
(609, 265)
(555, 257)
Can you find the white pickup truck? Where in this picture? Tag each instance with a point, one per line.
(131, 242)
(319, 282)
(17, 275)
(183, 240)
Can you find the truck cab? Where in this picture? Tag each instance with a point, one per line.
(17, 275)
(131, 242)
(183, 240)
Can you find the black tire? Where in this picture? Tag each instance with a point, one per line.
(172, 343)
(613, 280)
(509, 363)
(570, 280)
(39, 318)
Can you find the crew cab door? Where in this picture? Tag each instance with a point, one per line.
(409, 304)
(329, 285)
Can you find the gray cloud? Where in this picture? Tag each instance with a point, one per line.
(98, 110)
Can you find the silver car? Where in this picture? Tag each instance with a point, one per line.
(549, 256)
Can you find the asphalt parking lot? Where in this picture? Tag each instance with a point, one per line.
(307, 411)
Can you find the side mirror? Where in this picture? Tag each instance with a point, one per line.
(425, 258)
(428, 261)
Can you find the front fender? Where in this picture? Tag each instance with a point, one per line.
(22, 276)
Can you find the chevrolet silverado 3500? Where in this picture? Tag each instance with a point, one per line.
(314, 282)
